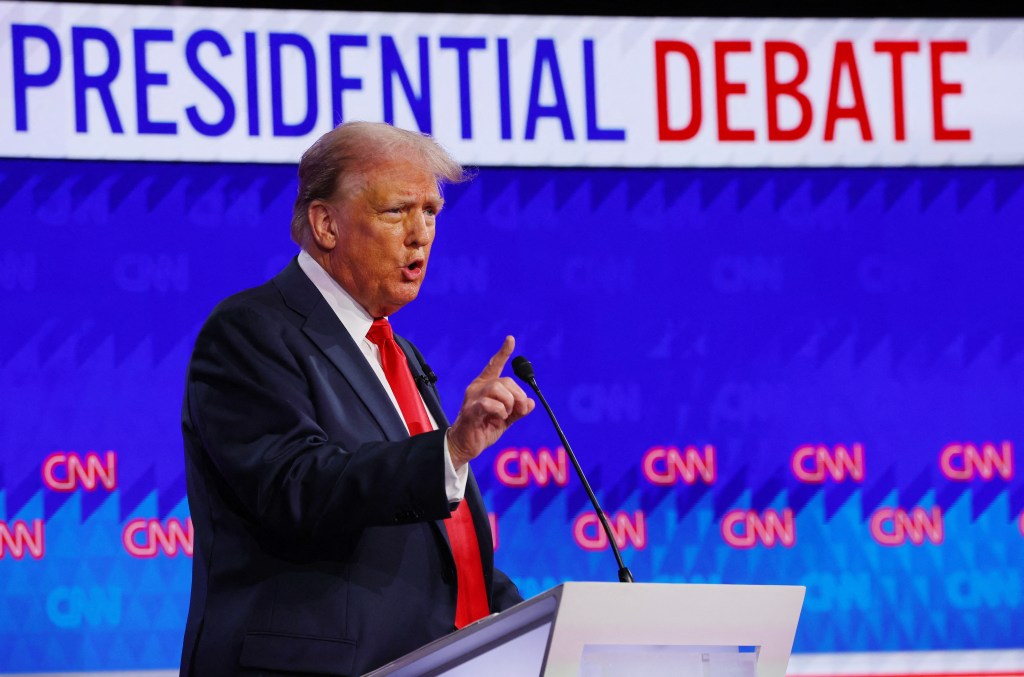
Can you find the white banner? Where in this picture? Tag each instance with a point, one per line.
(175, 83)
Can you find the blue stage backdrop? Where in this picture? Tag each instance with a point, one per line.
(794, 376)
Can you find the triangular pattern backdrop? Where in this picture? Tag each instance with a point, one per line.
(730, 317)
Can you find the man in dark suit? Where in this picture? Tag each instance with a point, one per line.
(337, 524)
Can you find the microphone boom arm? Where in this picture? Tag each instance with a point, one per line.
(524, 370)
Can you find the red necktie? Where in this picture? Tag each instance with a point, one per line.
(471, 603)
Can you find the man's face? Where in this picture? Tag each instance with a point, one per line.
(385, 227)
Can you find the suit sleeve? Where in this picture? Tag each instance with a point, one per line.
(249, 412)
(504, 593)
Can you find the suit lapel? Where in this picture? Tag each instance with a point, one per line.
(427, 390)
(430, 397)
(433, 402)
(326, 331)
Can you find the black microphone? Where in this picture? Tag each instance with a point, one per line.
(428, 377)
(524, 370)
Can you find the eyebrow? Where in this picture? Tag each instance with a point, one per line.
(409, 200)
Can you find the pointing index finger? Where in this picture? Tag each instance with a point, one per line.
(497, 363)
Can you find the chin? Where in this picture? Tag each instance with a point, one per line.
(395, 306)
(397, 297)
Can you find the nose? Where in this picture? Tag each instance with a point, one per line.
(419, 229)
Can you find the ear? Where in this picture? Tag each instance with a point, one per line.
(323, 225)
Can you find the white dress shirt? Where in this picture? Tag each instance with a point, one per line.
(357, 323)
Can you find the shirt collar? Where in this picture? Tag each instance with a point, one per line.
(352, 315)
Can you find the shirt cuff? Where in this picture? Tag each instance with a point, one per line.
(454, 480)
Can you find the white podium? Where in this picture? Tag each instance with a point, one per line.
(622, 630)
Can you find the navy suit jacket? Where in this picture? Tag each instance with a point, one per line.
(318, 546)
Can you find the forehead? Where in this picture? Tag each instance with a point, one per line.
(395, 178)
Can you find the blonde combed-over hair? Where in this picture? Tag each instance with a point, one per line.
(333, 163)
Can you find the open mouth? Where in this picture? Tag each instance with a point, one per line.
(413, 270)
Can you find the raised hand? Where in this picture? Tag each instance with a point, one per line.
(492, 403)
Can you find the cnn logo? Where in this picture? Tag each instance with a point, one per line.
(146, 538)
(896, 526)
(18, 540)
(814, 463)
(966, 461)
(520, 467)
(744, 529)
(628, 530)
(68, 471)
(670, 465)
